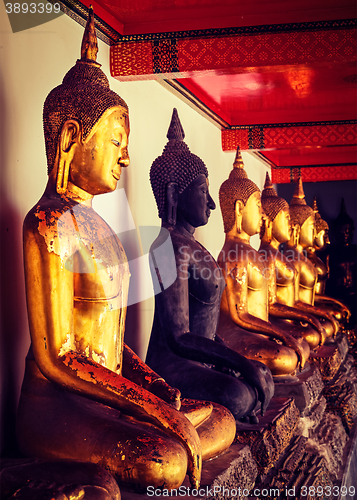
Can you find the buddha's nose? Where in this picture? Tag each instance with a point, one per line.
(124, 160)
(211, 204)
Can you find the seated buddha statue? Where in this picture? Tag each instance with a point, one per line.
(244, 323)
(342, 282)
(302, 236)
(275, 231)
(86, 396)
(337, 308)
(184, 345)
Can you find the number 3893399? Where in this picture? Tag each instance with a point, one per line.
(32, 8)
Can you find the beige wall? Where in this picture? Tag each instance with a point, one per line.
(32, 63)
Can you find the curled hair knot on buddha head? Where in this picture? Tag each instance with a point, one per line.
(84, 96)
(176, 165)
(271, 202)
(299, 210)
(236, 187)
(320, 223)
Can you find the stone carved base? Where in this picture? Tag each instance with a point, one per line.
(305, 390)
(298, 472)
(329, 441)
(269, 439)
(309, 422)
(329, 357)
(341, 394)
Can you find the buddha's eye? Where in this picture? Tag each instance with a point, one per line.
(117, 143)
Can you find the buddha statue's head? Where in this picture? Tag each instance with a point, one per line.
(321, 228)
(343, 226)
(86, 125)
(277, 218)
(179, 180)
(239, 199)
(302, 218)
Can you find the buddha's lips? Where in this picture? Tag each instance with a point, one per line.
(116, 175)
(208, 213)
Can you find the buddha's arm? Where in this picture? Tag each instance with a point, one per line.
(49, 288)
(137, 371)
(237, 299)
(320, 313)
(330, 301)
(283, 311)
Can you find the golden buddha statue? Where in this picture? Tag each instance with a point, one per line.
(184, 346)
(275, 231)
(302, 237)
(336, 307)
(244, 324)
(86, 396)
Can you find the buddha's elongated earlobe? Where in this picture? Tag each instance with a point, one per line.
(238, 212)
(62, 174)
(268, 229)
(171, 202)
(70, 134)
(239, 223)
(296, 234)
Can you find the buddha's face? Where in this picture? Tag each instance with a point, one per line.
(195, 202)
(97, 162)
(307, 232)
(252, 214)
(319, 241)
(281, 226)
(344, 234)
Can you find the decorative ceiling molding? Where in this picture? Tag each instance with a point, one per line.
(174, 57)
(315, 173)
(290, 135)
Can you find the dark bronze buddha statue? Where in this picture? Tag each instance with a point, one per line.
(184, 345)
(342, 282)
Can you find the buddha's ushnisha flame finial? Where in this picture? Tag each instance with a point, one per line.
(314, 205)
(175, 131)
(268, 184)
(89, 48)
(343, 207)
(238, 161)
(299, 195)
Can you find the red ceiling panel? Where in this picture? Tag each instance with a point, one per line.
(279, 77)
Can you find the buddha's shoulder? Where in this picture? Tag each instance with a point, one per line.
(48, 211)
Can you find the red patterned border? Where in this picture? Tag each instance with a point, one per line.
(267, 137)
(132, 60)
(314, 174)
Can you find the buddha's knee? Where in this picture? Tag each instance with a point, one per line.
(217, 432)
(164, 467)
(312, 337)
(284, 361)
(239, 397)
(328, 327)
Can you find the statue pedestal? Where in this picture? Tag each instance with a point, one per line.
(305, 391)
(269, 438)
(329, 357)
(341, 393)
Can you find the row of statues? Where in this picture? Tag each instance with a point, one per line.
(223, 332)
